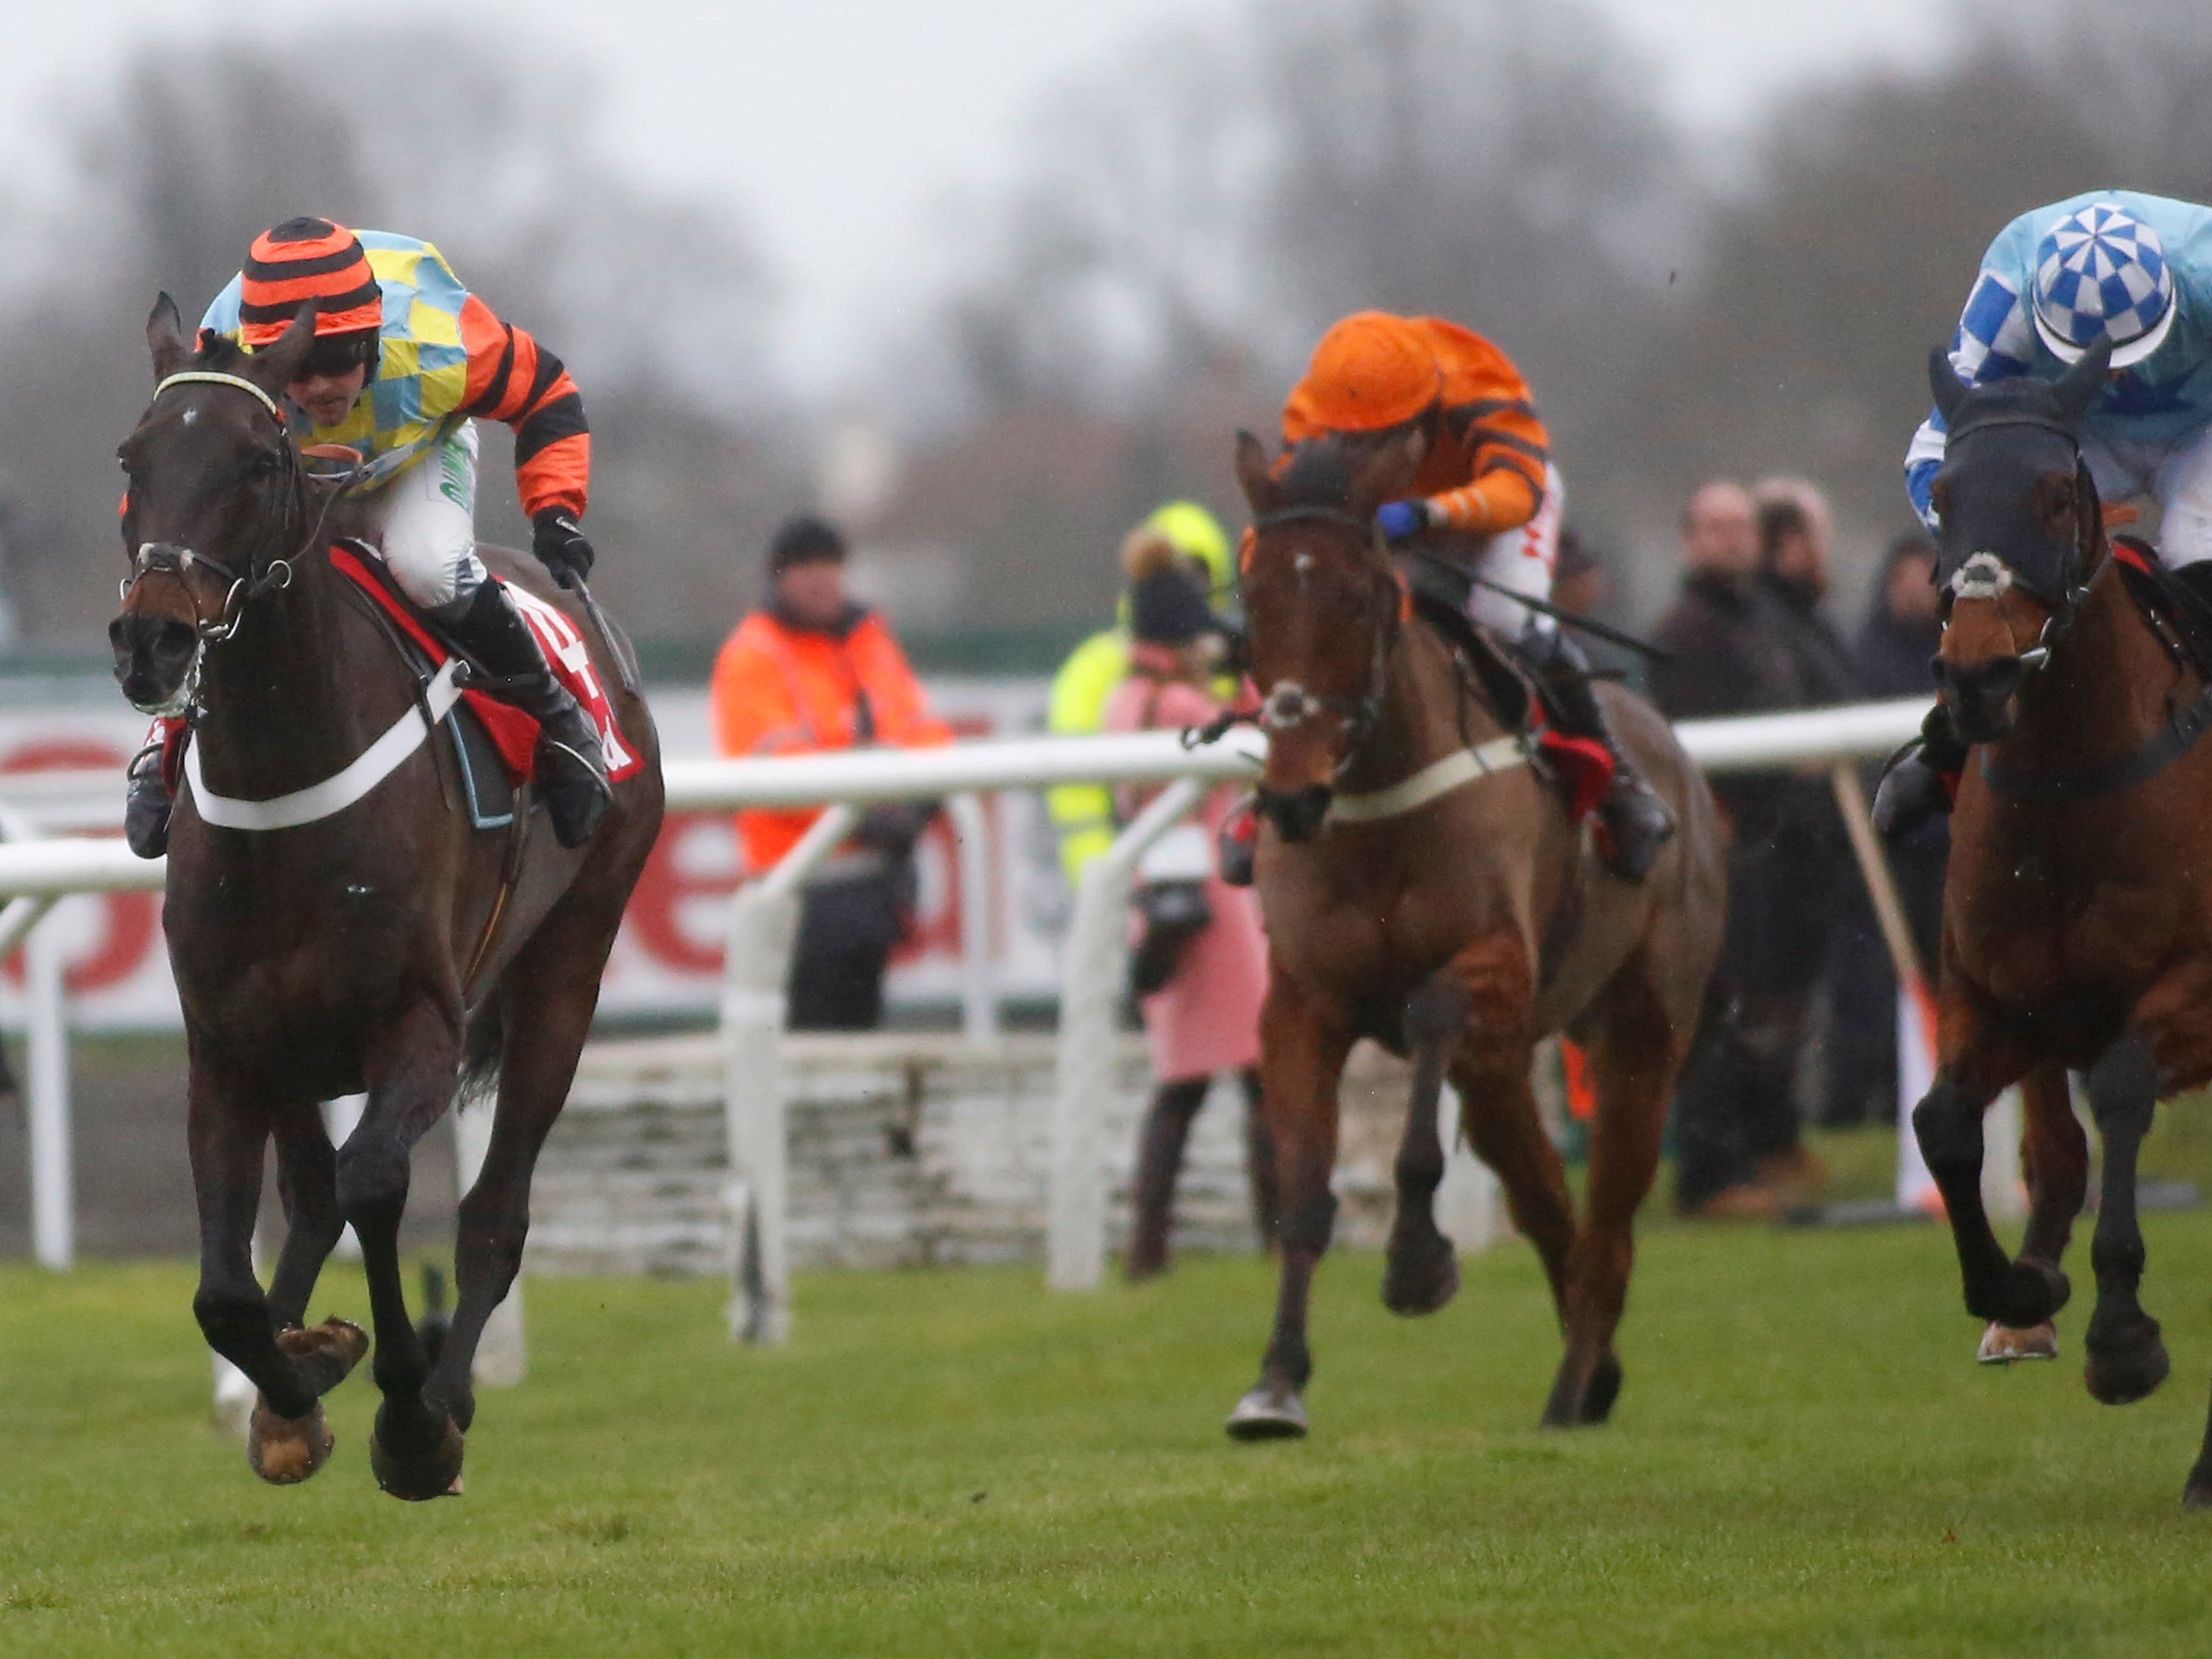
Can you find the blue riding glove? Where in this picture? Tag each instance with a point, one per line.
(1400, 521)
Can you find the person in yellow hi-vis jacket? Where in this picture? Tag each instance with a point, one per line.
(1082, 813)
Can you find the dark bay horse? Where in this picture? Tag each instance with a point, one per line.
(378, 946)
(2077, 913)
(1423, 886)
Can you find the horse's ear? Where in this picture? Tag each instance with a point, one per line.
(1252, 471)
(1943, 380)
(1388, 472)
(165, 338)
(277, 364)
(2079, 387)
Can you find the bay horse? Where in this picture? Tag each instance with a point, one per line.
(2077, 911)
(1425, 887)
(385, 946)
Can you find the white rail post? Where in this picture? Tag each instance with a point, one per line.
(503, 1355)
(1090, 992)
(53, 1206)
(763, 925)
(979, 991)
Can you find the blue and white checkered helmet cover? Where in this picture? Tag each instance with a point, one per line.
(2100, 273)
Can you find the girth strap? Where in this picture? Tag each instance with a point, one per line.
(1454, 770)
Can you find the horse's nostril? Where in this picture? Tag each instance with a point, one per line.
(174, 641)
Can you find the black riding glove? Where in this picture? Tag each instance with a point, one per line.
(561, 547)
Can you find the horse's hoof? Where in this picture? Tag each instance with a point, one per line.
(286, 1450)
(2121, 1374)
(2003, 1345)
(2029, 1295)
(2198, 1494)
(1268, 1413)
(1420, 1278)
(325, 1353)
(419, 1473)
(1583, 1403)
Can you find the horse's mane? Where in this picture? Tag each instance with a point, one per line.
(218, 352)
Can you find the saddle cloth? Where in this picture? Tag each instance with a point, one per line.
(513, 733)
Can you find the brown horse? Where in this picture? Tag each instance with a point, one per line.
(1424, 886)
(2077, 915)
(374, 947)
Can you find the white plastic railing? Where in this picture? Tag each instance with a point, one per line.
(764, 914)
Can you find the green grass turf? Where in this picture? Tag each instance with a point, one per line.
(1804, 1461)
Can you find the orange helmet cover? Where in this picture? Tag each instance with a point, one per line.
(1370, 371)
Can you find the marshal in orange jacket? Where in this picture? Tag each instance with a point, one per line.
(1485, 474)
(782, 689)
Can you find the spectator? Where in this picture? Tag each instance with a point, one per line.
(1737, 1144)
(1201, 963)
(1894, 649)
(1795, 534)
(1082, 813)
(815, 670)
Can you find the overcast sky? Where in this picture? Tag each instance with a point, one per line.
(835, 125)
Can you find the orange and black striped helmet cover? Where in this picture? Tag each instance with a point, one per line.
(304, 259)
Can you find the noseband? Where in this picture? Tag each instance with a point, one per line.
(164, 558)
(1288, 704)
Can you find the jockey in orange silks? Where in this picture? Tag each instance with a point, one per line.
(1486, 499)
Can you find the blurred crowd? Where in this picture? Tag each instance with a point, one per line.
(1803, 1015)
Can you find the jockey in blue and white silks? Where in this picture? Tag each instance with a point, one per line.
(2117, 263)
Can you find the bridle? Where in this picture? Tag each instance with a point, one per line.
(1986, 574)
(1288, 705)
(259, 576)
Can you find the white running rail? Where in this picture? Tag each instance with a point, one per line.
(33, 873)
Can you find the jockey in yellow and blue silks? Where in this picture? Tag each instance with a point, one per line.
(2112, 265)
(1082, 813)
(403, 358)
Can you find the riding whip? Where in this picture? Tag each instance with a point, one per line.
(1588, 625)
(575, 582)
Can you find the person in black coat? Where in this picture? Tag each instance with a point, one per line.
(1740, 643)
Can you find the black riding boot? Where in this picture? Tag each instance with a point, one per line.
(1636, 823)
(1916, 785)
(572, 768)
(1160, 1160)
(146, 803)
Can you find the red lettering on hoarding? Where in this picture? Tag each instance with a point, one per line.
(130, 922)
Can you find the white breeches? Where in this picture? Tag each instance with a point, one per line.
(2177, 476)
(424, 523)
(1520, 561)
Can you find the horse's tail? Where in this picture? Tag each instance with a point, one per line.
(481, 1049)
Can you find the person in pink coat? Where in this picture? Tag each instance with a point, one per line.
(1200, 967)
